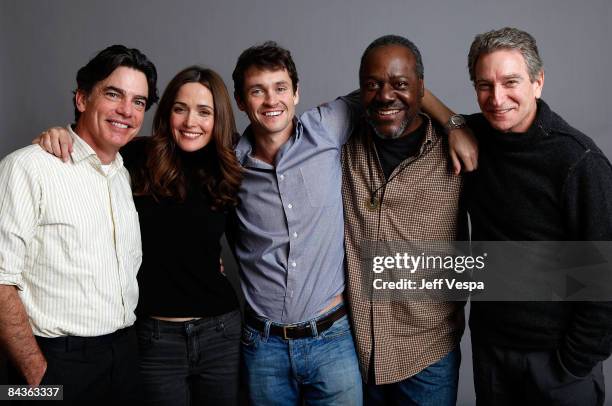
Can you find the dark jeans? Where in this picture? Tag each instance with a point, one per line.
(435, 385)
(101, 369)
(517, 377)
(193, 362)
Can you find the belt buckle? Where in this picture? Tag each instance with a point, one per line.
(285, 333)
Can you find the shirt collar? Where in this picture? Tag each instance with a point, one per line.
(81, 151)
(244, 147)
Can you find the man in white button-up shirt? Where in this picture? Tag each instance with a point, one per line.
(70, 241)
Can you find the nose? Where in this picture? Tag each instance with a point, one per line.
(189, 120)
(271, 99)
(385, 93)
(125, 108)
(497, 96)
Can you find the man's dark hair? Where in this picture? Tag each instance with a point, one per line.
(104, 64)
(395, 40)
(268, 56)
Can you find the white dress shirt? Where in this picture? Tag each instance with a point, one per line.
(69, 240)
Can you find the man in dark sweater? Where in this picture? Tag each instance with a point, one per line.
(538, 180)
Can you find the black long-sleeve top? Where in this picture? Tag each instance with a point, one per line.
(551, 183)
(179, 275)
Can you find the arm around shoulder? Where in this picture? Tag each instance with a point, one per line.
(339, 117)
(463, 147)
(56, 141)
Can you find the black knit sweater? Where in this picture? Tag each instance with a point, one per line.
(551, 183)
(179, 275)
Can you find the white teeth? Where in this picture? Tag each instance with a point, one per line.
(272, 113)
(118, 125)
(190, 135)
(387, 112)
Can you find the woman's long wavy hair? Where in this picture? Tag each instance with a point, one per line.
(163, 175)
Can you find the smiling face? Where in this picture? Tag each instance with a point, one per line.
(269, 101)
(192, 117)
(391, 91)
(112, 113)
(506, 95)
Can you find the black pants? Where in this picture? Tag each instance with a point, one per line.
(190, 363)
(516, 377)
(93, 369)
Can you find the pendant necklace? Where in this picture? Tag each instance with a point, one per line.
(372, 203)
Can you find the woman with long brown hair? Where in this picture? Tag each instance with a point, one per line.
(185, 178)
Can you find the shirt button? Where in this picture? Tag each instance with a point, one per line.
(294, 235)
(290, 206)
(282, 177)
(293, 264)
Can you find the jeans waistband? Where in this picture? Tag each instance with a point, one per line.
(310, 328)
(185, 327)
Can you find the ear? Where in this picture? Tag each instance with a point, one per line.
(538, 84)
(421, 88)
(239, 102)
(80, 99)
(296, 96)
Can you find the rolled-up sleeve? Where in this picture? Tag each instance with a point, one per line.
(20, 203)
(338, 117)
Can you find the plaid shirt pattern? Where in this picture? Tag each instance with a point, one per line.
(420, 203)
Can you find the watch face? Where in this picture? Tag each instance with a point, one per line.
(457, 120)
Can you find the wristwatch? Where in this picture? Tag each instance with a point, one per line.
(455, 121)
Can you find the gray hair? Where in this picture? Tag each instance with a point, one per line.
(395, 40)
(506, 38)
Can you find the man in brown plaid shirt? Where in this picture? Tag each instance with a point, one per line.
(398, 186)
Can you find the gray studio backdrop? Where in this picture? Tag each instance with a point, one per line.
(44, 42)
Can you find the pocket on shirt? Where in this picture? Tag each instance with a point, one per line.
(321, 179)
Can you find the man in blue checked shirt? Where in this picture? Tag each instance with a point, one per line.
(297, 342)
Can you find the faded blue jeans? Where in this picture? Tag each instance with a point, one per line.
(319, 370)
(436, 385)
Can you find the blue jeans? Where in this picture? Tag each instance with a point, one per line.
(436, 385)
(319, 370)
(192, 362)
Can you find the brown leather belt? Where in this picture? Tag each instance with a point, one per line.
(294, 331)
